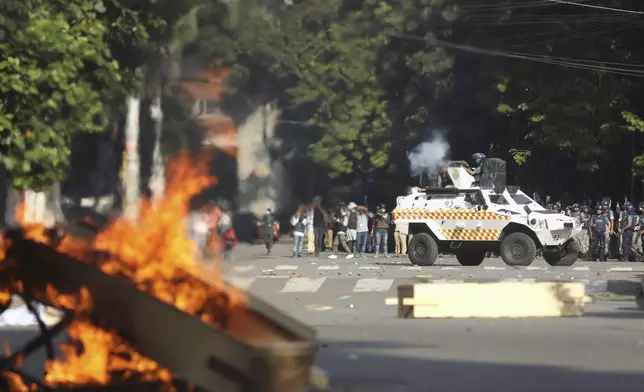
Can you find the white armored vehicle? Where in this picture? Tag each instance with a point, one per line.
(469, 220)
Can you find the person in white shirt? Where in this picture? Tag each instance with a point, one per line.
(298, 221)
(199, 230)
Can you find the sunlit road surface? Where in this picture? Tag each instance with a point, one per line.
(603, 351)
(366, 349)
(252, 270)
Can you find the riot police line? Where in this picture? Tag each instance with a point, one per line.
(608, 234)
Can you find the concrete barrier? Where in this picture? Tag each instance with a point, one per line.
(491, 300)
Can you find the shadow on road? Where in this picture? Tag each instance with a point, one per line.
(620, 313)
(372, 372)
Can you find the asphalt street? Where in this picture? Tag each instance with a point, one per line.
(258, 273)
(366, 348)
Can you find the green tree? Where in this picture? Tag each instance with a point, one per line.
(53, 69)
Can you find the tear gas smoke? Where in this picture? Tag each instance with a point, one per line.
(428, 156)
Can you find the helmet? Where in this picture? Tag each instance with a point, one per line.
(478, 157)
(606, 202)
(630, 209)
(585, 209)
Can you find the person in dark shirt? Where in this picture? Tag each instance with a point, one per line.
(444, 178)
(599, 224)
(320, 222)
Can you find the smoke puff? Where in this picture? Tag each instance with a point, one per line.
(428, 156)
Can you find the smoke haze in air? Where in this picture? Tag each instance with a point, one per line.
(428, 156)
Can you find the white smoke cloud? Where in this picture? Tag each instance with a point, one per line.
(428, 156)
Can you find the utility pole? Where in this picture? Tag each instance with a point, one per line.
(132, 162)
(157, 178)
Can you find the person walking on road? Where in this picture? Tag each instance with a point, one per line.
(269, 228)
(381, 224)
(298, 221)
(362, 230)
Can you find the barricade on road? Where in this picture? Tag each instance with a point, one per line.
(490, 300)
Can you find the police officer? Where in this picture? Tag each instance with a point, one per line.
(476, 172)
(584, 238)
(627, 226)
(598, 227)
(610, 230)
(638, 243)
(575, 212)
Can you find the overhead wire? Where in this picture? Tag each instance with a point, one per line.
(592, 33)
(580, 4)
(508, 6)
(570, 63)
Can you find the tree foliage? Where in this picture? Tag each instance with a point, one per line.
(53, 70)
(65, 68)
(361, 82)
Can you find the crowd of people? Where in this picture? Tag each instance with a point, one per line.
(350, 228)
(607, 233)
(356, 231)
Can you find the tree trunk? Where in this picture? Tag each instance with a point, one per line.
(37, 207)
(131, 170)
(157, 178)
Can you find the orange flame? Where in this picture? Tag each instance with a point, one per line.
(158, 256)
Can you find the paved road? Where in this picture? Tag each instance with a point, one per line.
(603, 351)
(261, 274)
(365, 348)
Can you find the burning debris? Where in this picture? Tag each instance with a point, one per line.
(140, 312)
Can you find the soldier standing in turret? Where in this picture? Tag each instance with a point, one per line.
(476, 172)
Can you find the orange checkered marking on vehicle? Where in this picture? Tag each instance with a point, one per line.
(471, 234)
(446, 214)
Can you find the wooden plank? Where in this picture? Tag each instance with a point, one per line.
(405, 291)
(492, 300)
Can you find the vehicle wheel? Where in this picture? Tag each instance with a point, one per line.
(423, 249)
(518, 249)
(470, 258)
(564, 257)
